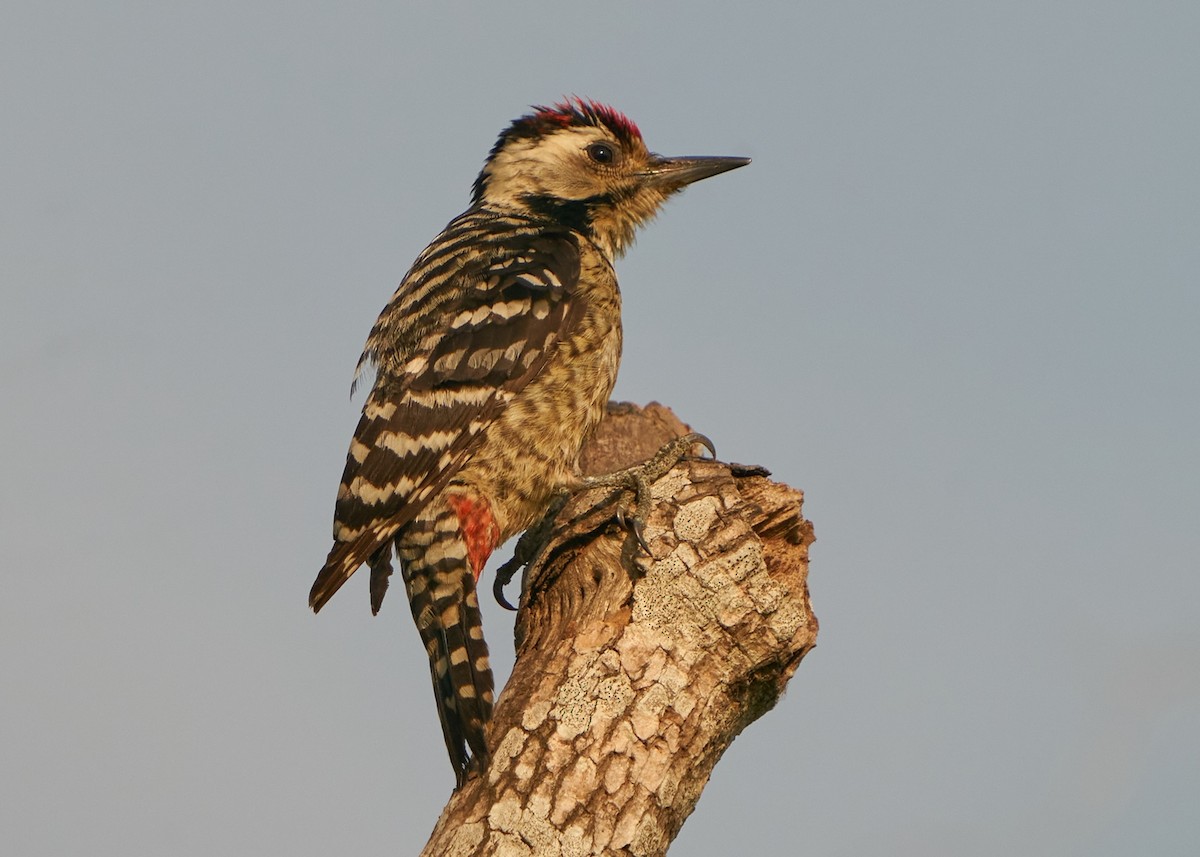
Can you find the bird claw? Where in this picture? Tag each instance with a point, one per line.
(529, 548)
(637, 479)
(504, 576)
(698, 438)
(635, 525)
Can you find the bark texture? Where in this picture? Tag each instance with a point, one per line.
(628, 687)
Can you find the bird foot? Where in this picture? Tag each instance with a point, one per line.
(637, 479)
(529, 546)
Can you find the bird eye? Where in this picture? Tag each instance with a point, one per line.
(601, 153)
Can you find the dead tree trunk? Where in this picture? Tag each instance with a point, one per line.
(628, 687)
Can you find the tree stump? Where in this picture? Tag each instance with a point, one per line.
(630, 684)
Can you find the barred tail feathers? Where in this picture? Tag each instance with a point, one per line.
(436, 562)
(344, 559)
(381, 571)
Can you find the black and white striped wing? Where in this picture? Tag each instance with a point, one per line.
(482, 336)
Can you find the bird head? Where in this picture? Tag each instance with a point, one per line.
(586, 165)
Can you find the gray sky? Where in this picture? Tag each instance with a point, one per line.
(954, 299)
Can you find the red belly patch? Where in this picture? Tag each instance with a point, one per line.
(478, 527)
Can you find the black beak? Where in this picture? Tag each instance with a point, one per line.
(674, 173)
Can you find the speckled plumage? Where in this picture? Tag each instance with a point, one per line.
(494, 360)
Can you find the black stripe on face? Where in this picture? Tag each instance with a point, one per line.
(574, 214)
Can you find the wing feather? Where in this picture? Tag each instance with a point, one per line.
(452, 348)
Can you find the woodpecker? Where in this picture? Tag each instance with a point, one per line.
(494, 360)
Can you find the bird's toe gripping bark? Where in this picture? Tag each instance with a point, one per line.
(637, 479)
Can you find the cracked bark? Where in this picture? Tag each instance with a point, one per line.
(627, 688)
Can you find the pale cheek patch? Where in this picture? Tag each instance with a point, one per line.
(523, 168)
